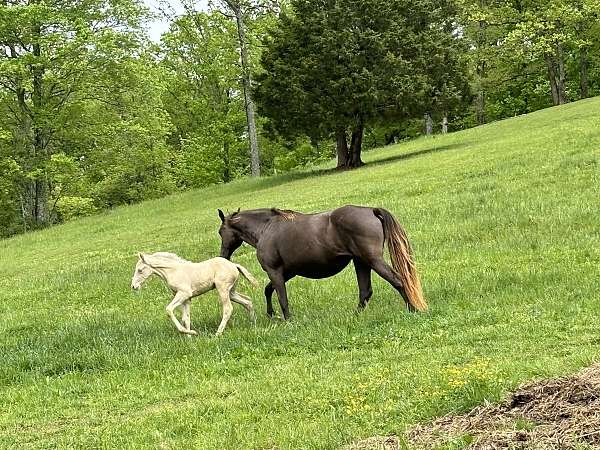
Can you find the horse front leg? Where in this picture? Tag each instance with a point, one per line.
(269, 298)
(278, 281)
(179, 299)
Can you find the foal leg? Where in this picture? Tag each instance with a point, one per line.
(180, 299)
(227, 307)
(384, 270)
(185, 317)
(363, 275)
(245, 302)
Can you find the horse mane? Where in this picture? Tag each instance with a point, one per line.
(285, 214)
(165, 257)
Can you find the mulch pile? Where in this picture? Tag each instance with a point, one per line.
(561, 413)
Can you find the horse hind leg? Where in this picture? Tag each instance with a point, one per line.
(186, 316)
(385, 271)
(363, 276)
(227, 307)
(245, 301)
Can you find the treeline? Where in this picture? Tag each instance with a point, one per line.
(93, 114)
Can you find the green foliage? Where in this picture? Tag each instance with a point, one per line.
(330, 64)
(203, 98)
(503, 220)
(93, 115)
(303, 154)
(529, 55)
(72, 207)
(82, 108)
(10, 174)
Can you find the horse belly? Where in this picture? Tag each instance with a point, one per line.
(317, 270)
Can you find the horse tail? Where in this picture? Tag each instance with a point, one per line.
(401, 256)
(247, 275)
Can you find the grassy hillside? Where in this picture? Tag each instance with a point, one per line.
(504, 220)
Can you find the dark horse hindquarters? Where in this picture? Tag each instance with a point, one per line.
(320, 245)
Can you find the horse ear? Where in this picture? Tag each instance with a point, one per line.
(141, 256)
(221, 215)
(236, 213)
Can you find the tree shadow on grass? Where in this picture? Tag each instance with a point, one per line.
(278, 180)
(417, 154)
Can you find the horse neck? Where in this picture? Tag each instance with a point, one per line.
(163, 271)
(251, 226)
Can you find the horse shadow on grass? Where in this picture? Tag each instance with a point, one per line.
(275, 181)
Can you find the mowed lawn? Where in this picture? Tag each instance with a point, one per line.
(505, 225)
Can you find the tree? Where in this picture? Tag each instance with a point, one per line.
(516, 42)
(203, 98)
(331, 67)
(51, 51)
(239, 9)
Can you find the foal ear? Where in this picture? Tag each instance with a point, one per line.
(221, 215)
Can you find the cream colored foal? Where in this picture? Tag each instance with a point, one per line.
(188, 280)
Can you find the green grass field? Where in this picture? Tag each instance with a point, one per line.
(505, 224)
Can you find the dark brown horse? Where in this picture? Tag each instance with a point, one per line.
(290, 244)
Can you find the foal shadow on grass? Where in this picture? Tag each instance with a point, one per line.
(95, 345)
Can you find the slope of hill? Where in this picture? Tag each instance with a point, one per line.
(504, 220)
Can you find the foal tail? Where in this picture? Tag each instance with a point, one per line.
(247, 275)
(401, 256)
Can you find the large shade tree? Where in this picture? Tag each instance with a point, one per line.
(54, 55)
(333, 66)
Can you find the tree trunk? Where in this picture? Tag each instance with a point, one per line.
(552, 79)
(247, 85)
(481, 69)
(428, 124)
(343, 155)
(445, 124)
(356, 146)
(226, 164)
(583, 73)
(481, 117)
(557, 76)
(40, 191)
(562, 77)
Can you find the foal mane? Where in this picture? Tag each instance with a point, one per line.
(166, 257)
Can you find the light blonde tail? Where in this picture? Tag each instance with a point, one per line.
(247, 275)
(402, 261)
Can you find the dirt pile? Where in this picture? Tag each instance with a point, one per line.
(561, 413)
